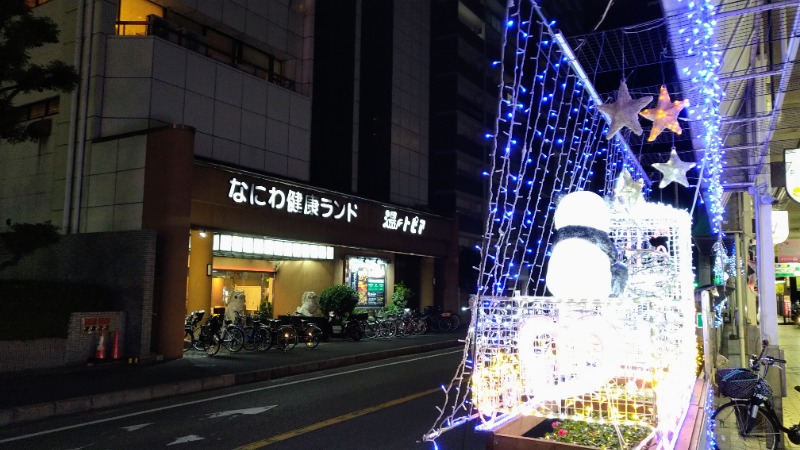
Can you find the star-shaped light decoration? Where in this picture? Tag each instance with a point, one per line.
(624, 112)
(626, 191)
(665, 114)
(674, 170)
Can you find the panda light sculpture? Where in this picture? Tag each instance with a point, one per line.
(583, 263)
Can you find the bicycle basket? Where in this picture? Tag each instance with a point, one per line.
(736, 383)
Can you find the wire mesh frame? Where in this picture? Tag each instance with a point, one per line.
(640, 347)
(547, 141)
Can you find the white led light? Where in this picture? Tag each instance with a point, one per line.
(247, 245)
(225, 242)
(236, 244)
(258, 246)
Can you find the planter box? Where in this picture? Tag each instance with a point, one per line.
(512, 437)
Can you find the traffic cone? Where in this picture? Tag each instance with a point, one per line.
(100, 352)
(115, 346)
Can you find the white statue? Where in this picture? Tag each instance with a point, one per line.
(308, 304)
(235, 303)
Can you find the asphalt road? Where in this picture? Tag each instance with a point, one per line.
(387, 404)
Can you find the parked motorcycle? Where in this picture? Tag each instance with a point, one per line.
(349, 327)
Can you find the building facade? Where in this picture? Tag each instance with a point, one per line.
(274, 147)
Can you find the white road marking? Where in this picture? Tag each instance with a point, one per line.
(246, 411)
(186, 439)
(212, 399)
(136, 427)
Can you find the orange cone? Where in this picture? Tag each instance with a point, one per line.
(115, 346)
(100, 352)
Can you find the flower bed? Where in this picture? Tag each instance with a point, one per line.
(535, 433)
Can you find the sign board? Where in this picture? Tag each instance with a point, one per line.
(792, 160)
(789, 269)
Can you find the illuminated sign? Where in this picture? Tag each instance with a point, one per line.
(393, 221)
(291, 201)
(791, 159)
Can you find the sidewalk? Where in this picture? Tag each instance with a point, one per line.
(34, 395)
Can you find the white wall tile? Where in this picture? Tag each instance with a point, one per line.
(126, 97)
(252, 157)
(299, 143)
(253, 129)
(129, 56)
(166, 102)
(169, 63)
(103, 157)
(233, 15)
(203, 145)
(129, 186)
(201, 74)
(226, 151)
(300, 111)
(131, 152)
(276, 163)
(199, 112)
(277, 140)
(254, 95)
(128, 217)
(228, 85)
(227, 121)
(278, 103)
(98, 219)
(101, 189)
(298, 169)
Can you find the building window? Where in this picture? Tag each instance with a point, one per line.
(141, 17)
(37, 110)
(133, 16)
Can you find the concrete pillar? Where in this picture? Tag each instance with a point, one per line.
(768, 312)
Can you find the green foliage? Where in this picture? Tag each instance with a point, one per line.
(341, 299)
(24, 238)
(265, 308)
(597, 435)
(402, 294)
(41, 309)
(21, 31)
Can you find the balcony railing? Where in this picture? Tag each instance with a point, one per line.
(157, 26)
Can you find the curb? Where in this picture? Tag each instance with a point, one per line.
(28, 413)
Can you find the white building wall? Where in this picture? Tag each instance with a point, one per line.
(239, 119)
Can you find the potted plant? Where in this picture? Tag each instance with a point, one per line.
(400, 297)
(337, 302)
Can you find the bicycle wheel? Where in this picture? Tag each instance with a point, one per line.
(730, 420)
(420, 326)
(455, 321)
(286, 338)
(262, 339)
(187, 340)
(370, 329)
(311, 336)
(249, 338)
(196, 342)
(234, 340)
(211, 347)
(434, 324)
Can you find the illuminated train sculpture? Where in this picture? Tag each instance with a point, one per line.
(629, 359)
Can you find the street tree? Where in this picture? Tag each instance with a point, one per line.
(21, 31)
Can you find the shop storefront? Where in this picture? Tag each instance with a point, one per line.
(274, 240)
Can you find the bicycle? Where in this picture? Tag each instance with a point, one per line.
(254, 336)
(191, 330)
(284, 337)
(749, 420)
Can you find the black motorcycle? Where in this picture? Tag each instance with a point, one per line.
(348, 327)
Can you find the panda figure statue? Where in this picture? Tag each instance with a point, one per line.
(583, 261)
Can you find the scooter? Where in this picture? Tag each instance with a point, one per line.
(348, 327)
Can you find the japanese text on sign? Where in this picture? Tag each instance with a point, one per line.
(393, 221)
(291, 201)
